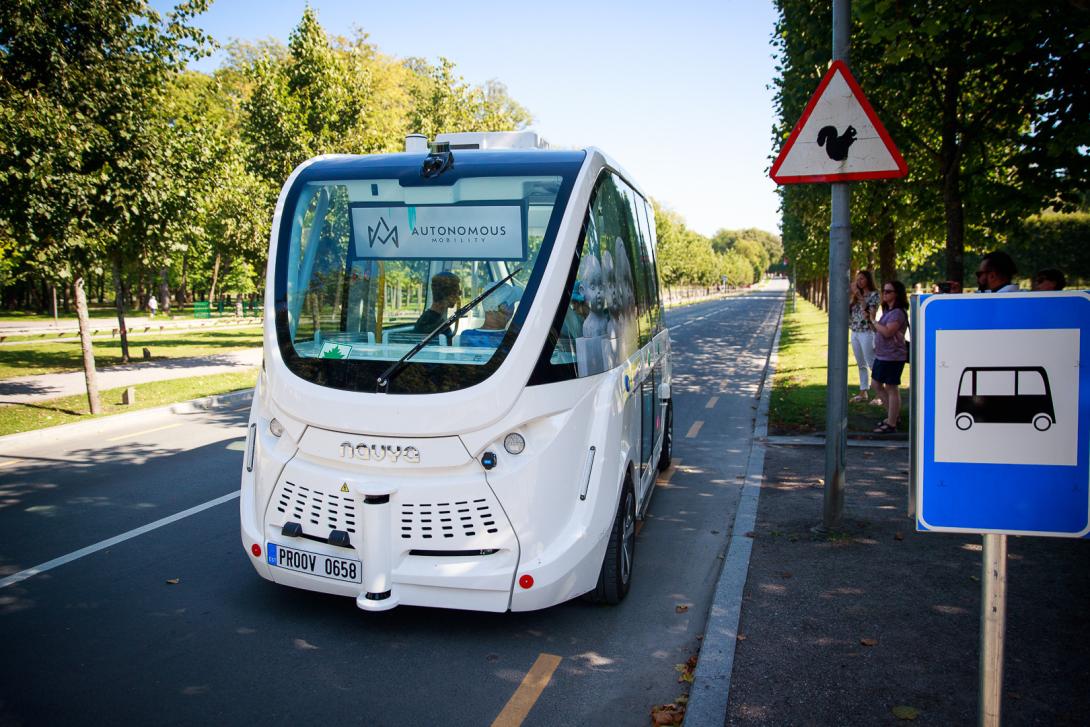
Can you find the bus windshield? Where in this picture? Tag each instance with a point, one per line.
(373, 267)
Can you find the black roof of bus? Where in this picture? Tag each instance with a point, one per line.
(467, 163)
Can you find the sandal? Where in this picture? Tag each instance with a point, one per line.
(884, 428)
(876, 401)
(859, 399)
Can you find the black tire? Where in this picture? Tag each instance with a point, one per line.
(667, 437)
(615, 578)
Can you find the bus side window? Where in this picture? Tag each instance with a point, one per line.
(639, 262)
(650, 243)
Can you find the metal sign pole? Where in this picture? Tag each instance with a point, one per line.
(993, 620)
(840, 245)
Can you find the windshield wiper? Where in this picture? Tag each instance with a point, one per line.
(395, 368)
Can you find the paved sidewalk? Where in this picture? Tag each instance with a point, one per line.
(842, 629)
(31, 389)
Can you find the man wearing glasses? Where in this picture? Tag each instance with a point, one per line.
(995, 273)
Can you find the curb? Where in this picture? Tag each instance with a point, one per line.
(117, 421)
(710, 693)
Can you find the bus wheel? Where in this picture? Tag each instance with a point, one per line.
(963, 421)
(1042, 422)
(616, 574)
(667, 438)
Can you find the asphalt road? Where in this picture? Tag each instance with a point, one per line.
(170, 624)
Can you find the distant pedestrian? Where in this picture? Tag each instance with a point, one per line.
(1049, 279)
(891, 352)
(995, 273)
(153, 306)
(864, 304)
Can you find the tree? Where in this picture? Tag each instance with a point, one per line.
(77, 82)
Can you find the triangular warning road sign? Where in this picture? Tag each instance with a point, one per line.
(839, 137)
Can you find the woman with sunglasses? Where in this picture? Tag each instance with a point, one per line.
(890, 352)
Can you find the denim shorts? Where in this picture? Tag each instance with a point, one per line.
(887, 372)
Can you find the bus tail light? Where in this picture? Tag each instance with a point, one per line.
(256, 550)
(526, 581)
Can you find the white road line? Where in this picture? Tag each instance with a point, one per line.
(110, 542)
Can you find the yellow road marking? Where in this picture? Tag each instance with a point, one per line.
(712, 402)
(10, 461)
(664, 478)
(140, 434)
(694, 429)
(533, 684)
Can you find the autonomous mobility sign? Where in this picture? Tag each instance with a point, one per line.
(460, 232)
(1003, 403)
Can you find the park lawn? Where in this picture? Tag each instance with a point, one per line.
(33, 359)
(67, 409)
(799, 384)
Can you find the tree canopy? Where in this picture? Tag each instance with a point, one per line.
(989, 102)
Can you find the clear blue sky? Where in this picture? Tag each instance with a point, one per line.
(676, 92)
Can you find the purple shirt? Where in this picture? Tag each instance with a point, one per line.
(892, 348)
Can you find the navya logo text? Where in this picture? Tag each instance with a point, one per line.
(380, 452)
(382, 233)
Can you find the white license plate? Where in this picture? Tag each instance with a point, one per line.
(326, 566)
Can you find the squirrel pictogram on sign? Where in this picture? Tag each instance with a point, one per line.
(836, 146)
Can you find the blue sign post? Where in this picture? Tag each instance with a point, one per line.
(1002, 405)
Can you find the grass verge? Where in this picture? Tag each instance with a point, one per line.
(41, 358)
(67, 409)
(799, 386)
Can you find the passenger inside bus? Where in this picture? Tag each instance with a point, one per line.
(498, 309)
(445, 294)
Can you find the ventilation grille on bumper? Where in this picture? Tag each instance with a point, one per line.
(324, 511)
(447, 520)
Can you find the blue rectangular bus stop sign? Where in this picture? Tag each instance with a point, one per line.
(1002, 402)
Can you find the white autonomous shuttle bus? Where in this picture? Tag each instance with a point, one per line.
(466, 385)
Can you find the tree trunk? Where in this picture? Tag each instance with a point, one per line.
(950, 166)
(85, 344)
(164, 291)
(887, 252)
(119, 303)
(215, 278)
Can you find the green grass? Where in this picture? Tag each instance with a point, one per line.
(65, 410)
(33, 359)
(799, 386)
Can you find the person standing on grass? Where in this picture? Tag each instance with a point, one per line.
(891, 352)
(153, 306)
(864, 303)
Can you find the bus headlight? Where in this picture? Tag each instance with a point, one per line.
(514, 443)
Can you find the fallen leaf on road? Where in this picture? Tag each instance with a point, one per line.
(174, 581)
(751, 534)
(687, 670)
(681, 608)
(784, 574)
(741, 637)
(667, 714)
(902, 711)
(899, 536)
(869, 642)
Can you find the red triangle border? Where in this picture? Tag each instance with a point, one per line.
(842, 68)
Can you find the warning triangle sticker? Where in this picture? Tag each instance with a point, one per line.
(839, 137)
